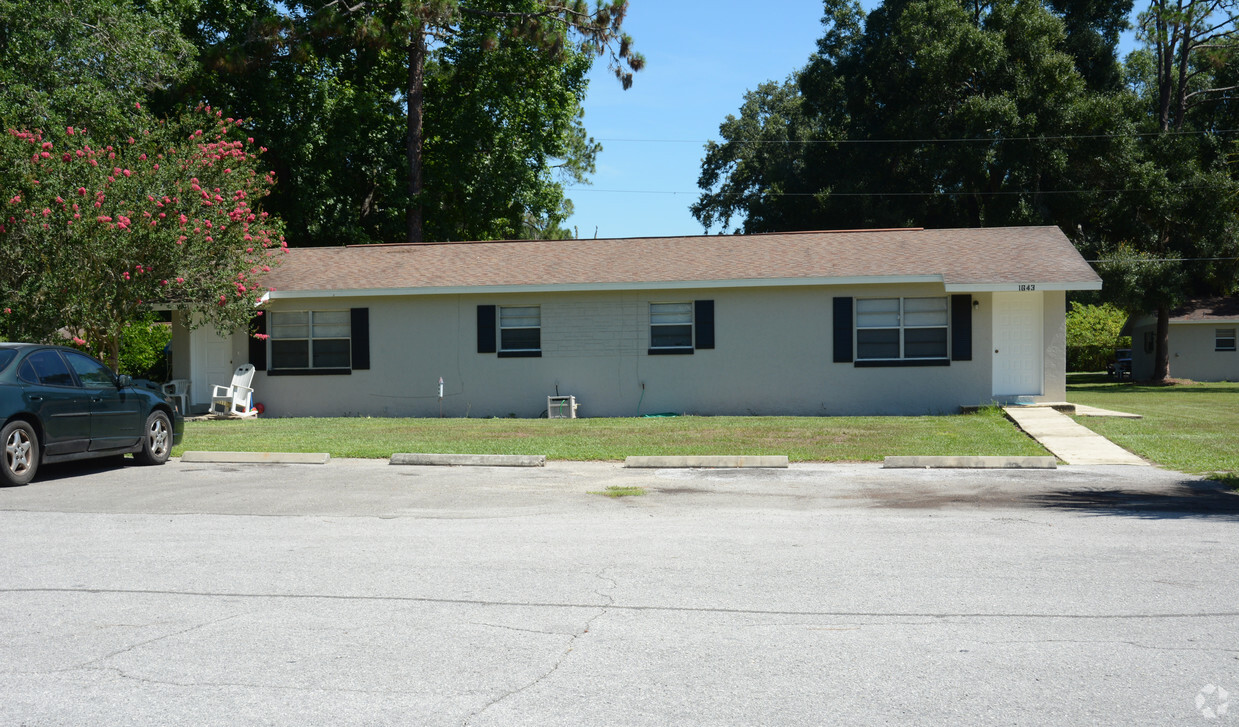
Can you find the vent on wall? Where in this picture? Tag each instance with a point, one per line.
(561, 407)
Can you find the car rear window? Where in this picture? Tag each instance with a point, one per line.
(50, 369)
(6, 357)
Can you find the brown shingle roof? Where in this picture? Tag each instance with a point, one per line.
(959, 256)
(1208, 309)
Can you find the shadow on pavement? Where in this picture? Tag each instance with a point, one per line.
(80, 468)
(1191, 499)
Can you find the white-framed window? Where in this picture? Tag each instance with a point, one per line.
(309, 340)
(520, 329)
(889, 329)
(1224, 339)
(671, 326)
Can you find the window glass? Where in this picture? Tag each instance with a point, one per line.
(50, 369)
(924, 343)
(331, 324)
(877, 313)
(290, 354)
(520, 339)
(295, 324)
(924, 312)
(90, 372)
(524, 317)
(671, 336)
(26, 373)
(671, 313)
(902, 328)
(318, 339)
(881, 343)
(1224, 339)
(520, 328)
(6, 357)
(331, 354)
(671, 325)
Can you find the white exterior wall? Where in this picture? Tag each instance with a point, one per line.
(773, 355)
(1054, 330)
(237, 343)
(1192, 354)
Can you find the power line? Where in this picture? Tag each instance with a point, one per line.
(998, 193)
(973, 139)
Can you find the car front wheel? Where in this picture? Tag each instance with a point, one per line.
(21, 453)
(156, 440)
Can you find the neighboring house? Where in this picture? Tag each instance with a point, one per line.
(1201, 341)
(903, 321)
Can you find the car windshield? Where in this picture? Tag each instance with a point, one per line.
(6, 357)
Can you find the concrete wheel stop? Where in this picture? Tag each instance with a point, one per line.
(704, 461)
(257, 457)
(470, 460)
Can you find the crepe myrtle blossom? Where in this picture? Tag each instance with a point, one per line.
(200, 172)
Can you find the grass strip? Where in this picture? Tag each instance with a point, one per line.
(1190, 427)
(802, 439)
(617, 491)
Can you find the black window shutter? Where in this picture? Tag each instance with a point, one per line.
(486, 329)
(843, 330)
(703, 318)
(258, 346)
(360, 332)
(961, 327)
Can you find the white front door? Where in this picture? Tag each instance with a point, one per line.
(210, 357)
(1019, 348)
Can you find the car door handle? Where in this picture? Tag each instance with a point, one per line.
(36, 398)
(96, 399)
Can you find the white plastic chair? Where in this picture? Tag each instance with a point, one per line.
(236, 399)
(178, 390)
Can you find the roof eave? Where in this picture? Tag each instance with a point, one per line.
(279, 294)
(1029, 286)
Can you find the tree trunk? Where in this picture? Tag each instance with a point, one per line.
(112, 343)
(413, 149)
(1161, 355)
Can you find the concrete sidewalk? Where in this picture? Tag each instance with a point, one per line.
(1069, 441)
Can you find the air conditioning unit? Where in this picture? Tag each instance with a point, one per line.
(561, 407)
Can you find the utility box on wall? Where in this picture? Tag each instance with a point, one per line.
(561, 407)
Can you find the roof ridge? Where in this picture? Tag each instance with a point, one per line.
(632, 237)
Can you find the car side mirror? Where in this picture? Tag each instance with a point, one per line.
(124, 380)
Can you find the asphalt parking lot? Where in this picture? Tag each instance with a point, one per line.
(363, 593)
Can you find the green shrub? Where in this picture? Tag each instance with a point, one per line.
(1093, 334)
(142, 347)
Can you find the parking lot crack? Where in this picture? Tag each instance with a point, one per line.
(147, 642)
(121, 673)
(516, 628)
(563, 655)
(1111, 642)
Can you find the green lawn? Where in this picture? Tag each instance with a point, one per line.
(1187, 427)
(802, 439)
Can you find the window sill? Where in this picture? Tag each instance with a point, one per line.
(670, 351)
(901, 363)
(520, 354)
(309, 372)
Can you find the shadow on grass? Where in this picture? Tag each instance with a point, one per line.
(1190, 499)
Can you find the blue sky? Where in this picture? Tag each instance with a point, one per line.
(701, 57)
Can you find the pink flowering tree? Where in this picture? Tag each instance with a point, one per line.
(95, 233)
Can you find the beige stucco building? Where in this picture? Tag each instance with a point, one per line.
(817, 323)
(1201, 337)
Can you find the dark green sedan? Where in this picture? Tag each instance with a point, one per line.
(58, 404)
